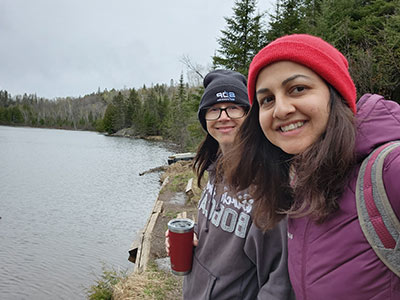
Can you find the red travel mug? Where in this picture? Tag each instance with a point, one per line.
(181, 245)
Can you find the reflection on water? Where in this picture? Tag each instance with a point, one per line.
(70, 202)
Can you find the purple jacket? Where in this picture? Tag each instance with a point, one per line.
(334, 260)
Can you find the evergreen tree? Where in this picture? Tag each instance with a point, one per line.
(368, 34)
(166, 117)
(242, 38)
(3, 115)
(120, 109)
(288, 18)
(109, 116)
(151, 120)
(376, 34)
(133, 109)
(4, 98)
(181, 91)
(195, 132)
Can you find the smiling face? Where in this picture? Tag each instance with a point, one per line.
(294, 105)
(224, 129)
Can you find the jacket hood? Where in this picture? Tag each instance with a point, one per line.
(377, 122)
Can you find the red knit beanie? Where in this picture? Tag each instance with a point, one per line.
(312, 52)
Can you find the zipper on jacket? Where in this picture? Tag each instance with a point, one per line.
(304, 259)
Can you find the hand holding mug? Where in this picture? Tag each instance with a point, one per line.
(179, 245)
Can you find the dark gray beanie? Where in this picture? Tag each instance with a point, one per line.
(222, 86)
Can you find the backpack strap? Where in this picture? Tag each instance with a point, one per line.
(378, 221)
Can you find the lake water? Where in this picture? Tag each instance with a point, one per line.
(70, 202)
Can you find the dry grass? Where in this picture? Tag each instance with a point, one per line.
(179, 174)
(149, 285)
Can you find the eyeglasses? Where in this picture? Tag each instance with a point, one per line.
(232, 111)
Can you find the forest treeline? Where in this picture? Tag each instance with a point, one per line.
(367, 32)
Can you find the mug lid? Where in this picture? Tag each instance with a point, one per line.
(180, 225)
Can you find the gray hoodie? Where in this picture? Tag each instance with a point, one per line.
(234, 259)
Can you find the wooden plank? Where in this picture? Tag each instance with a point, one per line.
(158, 207)
(140, 249)
(145, 255)
(139, 254)
(143, 251)
(134, 249)
(182, 215)
(180, 156)
(189, 189)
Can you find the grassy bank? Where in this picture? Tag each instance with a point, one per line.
(153, 283)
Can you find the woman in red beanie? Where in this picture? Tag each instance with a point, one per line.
(299, 152)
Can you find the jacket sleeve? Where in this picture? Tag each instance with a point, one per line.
(268, 251)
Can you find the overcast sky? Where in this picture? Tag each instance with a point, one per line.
(60, 48)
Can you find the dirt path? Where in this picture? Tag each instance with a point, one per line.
(175, 201)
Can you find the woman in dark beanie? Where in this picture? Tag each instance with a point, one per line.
(300, 150)
(233, 259)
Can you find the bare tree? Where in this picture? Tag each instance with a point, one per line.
(195, 71)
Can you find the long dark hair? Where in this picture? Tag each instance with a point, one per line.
(256, 164)
(322, 171)
(207, 153)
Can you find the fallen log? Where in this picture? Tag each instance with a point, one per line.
(158, 169)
